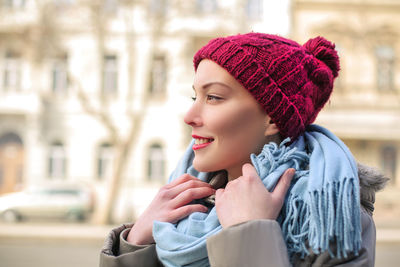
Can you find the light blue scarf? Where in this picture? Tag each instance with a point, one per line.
(322, 205)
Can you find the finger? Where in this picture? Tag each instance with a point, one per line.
(283, 184)
(173, 192)
(248, 170)
(219, 194)
(183, 178)
(192, 194)
(186, 210)
(232, 183)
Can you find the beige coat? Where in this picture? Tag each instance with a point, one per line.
(254, 243)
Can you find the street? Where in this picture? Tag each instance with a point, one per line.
(78, 245)
(49, 253)
(54, 244)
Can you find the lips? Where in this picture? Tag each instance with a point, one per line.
(201, 142)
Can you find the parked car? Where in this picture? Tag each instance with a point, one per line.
(70, 202)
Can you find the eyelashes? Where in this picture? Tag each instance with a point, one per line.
(209, 98)
(213, 97)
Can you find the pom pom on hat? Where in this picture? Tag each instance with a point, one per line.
(291, 82)
(325, 51)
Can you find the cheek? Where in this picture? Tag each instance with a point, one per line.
(243, 131)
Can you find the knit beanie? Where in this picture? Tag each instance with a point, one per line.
(291, 82)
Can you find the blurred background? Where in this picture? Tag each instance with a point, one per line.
(93, 94)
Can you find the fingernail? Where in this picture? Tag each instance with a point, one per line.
(291, 173)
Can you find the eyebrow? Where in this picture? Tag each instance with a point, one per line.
(212, 83)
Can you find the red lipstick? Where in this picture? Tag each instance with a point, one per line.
(199, 146)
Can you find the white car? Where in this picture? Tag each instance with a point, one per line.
(61, 201)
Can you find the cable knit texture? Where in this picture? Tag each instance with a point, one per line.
(291, 82)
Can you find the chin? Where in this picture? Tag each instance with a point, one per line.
(203, 167)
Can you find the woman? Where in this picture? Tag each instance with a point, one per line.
(259, 185)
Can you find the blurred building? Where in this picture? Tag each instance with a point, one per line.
(82, 80)
(364, 110)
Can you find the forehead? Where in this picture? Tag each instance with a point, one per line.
(210, 72)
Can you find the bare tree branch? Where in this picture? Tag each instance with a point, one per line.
(100, 114)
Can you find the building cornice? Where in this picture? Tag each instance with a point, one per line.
(373, 6)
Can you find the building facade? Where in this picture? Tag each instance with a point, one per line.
(364, 110)
(82, 79)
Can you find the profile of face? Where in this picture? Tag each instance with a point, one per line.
(227, 123)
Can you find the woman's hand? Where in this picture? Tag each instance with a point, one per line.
(246, 198)
(170, 205)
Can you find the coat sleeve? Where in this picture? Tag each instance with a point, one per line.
(117, 252)
(260, 243)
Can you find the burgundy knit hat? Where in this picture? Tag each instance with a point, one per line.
(291, 82)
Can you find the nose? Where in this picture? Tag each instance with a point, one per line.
(192, 116)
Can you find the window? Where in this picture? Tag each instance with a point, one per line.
(104, 161)
(206, 6)
(11, 75)
(158, 77)
(63, 2)
(59, 75)
(19, 179)
(385, 67)
(389, 159)
(13, 3)
(158, 7)
(339, 79)
(110, 75)
(57, 161)
(1, 175)
(110, 6)
(254, 9)
(156, 162)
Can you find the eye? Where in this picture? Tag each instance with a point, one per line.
(213, 98)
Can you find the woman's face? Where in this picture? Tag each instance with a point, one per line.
(227, 122)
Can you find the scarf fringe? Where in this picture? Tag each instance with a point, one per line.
(322, 219)
(321, 211)
(318, 219)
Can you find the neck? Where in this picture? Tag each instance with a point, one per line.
(236, 172)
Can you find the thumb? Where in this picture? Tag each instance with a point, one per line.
(249, 171)
(284, 183)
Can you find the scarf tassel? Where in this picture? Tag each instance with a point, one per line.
(322, 220)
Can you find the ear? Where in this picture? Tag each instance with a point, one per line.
(270, 127)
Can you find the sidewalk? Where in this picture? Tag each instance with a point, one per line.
(387, 235)
(50, 231)
(98, 233)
